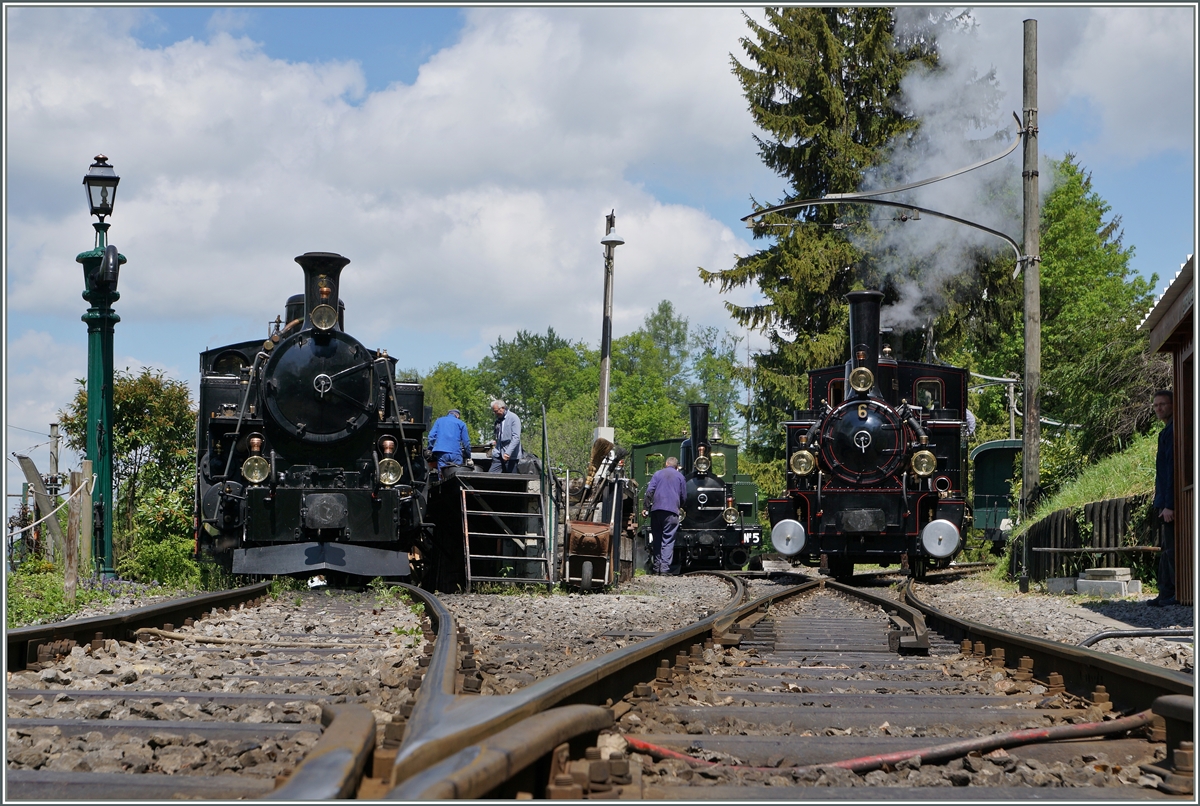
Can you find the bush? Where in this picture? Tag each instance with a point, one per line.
(162, 546)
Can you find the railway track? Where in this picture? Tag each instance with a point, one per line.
(783, 690)
(816, 685)
(246, 700)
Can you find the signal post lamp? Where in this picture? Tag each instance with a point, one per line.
(101, 267)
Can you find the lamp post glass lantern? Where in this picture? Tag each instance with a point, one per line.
(101, 181)
(101, 268)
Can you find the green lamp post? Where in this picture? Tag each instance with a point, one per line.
(100, 269)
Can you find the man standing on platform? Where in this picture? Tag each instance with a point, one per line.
(1164, 499)
(665, 496)
(506, 450)
(449, 442)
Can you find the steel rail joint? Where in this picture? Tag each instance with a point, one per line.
(334, 767)
(1132, 685)
(442, 724)
(22, 642)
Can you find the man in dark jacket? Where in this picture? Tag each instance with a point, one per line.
(449, 441)
(1164, 498)
(665, 496)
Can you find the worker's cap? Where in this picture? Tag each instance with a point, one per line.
(455, 412)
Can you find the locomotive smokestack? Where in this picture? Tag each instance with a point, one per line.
(322, 283)
(698, 413)
(864, 329)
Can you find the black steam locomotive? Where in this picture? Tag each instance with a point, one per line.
(719, 528)
(308, 450)
(876, 466)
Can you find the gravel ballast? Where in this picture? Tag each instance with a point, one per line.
(1066, 619)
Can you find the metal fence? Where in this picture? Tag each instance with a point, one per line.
(1070, 532)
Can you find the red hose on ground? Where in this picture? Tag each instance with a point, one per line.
(935, 753)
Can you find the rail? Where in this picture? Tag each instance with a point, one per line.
(23, 642)
(1132, 685)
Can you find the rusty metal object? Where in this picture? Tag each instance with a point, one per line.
(476, 770)
(334, 767)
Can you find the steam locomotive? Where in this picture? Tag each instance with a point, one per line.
(308, 450)
(719, 528)
(876, 467)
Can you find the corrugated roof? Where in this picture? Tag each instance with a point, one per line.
(1169, 295)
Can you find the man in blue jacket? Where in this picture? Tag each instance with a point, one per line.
(665, 496)
(449, 441)
(507, 445)
(1164, 498)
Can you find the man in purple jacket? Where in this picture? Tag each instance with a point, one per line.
(665, 496)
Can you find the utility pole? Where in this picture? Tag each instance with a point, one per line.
(1031, 435)
(53, 484)
(610, 242)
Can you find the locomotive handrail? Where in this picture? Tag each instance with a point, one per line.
(237, 430)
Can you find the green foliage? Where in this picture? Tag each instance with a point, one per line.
(154, 447)
(1097, 369)
(1121, 475)
(283, 586)
(449, 386)
(162, 543)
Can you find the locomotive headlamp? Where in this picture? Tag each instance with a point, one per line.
(390, 472)
(730, 515)
(924, 463)
(802, 463)
(256, 469)
(702, 464)
(324, 317)
(861, 379)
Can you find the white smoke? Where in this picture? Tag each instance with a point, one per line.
(966, 116)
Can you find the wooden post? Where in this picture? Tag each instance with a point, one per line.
(44, 502)
(86, 533)
(71, 555)
(1031, 436)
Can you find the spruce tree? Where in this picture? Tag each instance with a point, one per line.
(822, 83)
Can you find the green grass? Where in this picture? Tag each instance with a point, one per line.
(1121, 475)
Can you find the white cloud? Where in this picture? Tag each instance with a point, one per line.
(1135, 66)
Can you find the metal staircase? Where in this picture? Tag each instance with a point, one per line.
(504, 528)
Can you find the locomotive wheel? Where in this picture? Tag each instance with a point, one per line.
(585, 575)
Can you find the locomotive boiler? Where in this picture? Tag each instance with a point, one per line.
(876, 465)
(308, 449)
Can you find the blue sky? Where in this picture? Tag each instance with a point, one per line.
(464, 160)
